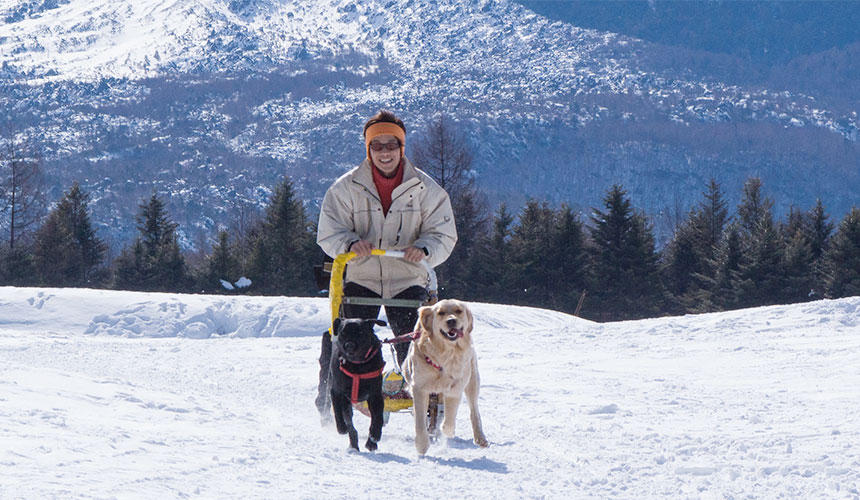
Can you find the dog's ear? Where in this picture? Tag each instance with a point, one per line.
(469, 319)
(371, 322)
(425, 318)
(335, 327)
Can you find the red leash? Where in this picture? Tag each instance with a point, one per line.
(406, 337)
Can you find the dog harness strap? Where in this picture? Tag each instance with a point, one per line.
(371, 353)
(431, 363)
(406, 337)
(356, 380)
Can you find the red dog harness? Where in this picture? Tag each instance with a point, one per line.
(357, 377)
(356, 380)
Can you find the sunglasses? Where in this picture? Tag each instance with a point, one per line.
(390, 146)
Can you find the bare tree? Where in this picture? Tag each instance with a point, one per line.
(444, 152)
(22, 197)
(243, 228)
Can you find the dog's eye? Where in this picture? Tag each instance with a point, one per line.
(458, 311)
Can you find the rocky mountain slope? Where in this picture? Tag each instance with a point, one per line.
(211, 102)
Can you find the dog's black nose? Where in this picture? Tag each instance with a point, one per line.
(452, 322)
(349, 346)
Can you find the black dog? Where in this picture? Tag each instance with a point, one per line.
(356, 375)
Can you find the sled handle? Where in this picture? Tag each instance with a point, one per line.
(432, 285)
(335, 288)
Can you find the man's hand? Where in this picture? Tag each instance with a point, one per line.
(413, 254)
(362, 248)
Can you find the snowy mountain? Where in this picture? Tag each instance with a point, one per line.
(122, 394)
(211, 102)
(74, 41)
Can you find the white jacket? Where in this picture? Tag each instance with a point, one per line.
(420, 215)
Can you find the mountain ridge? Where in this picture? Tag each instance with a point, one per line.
(212, 102)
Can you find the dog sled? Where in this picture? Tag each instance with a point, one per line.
(396, 395)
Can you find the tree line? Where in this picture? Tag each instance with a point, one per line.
(608, 264)
(603, 265)
(274, 258)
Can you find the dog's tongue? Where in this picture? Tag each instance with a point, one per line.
(455, 332)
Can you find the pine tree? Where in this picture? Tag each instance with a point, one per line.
(131, 268)
(798, 269)
(154, 262)
(54, 255)
(284, 250)
(493, 275)
(569, 257)
(719, 292)
(798, 258)
(682, 263)
(710, 220)
(689, 257)
(820, 229)
(530, 264)
(221, 265)
(16, 265)
(760, 279)
(842, 259)
(548, 258)
(67, 251)
(755, 206)
(472, 222)
(625, 272)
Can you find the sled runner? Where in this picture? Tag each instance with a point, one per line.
(397, 397)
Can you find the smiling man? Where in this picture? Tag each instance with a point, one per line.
(389, 204)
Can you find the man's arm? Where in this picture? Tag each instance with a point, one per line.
(438, 231)
(335, 231)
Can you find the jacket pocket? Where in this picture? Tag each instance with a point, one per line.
(408, 225)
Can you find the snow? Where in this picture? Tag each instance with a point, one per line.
(118, 394)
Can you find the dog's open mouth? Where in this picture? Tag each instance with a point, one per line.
(452, 334)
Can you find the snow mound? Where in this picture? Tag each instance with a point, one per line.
(136, 314)
(159, 315)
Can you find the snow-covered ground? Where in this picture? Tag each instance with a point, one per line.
(116, 394)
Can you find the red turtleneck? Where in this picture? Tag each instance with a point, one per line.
(385, 185)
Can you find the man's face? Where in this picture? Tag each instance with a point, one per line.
(385, 153)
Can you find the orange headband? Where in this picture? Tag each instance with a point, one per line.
(384, 128)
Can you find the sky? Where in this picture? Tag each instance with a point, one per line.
(108, 394)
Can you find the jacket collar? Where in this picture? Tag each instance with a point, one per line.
(364, 176)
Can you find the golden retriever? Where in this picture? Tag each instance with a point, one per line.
(442, 360)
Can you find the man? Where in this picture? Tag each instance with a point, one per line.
(389, 204)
